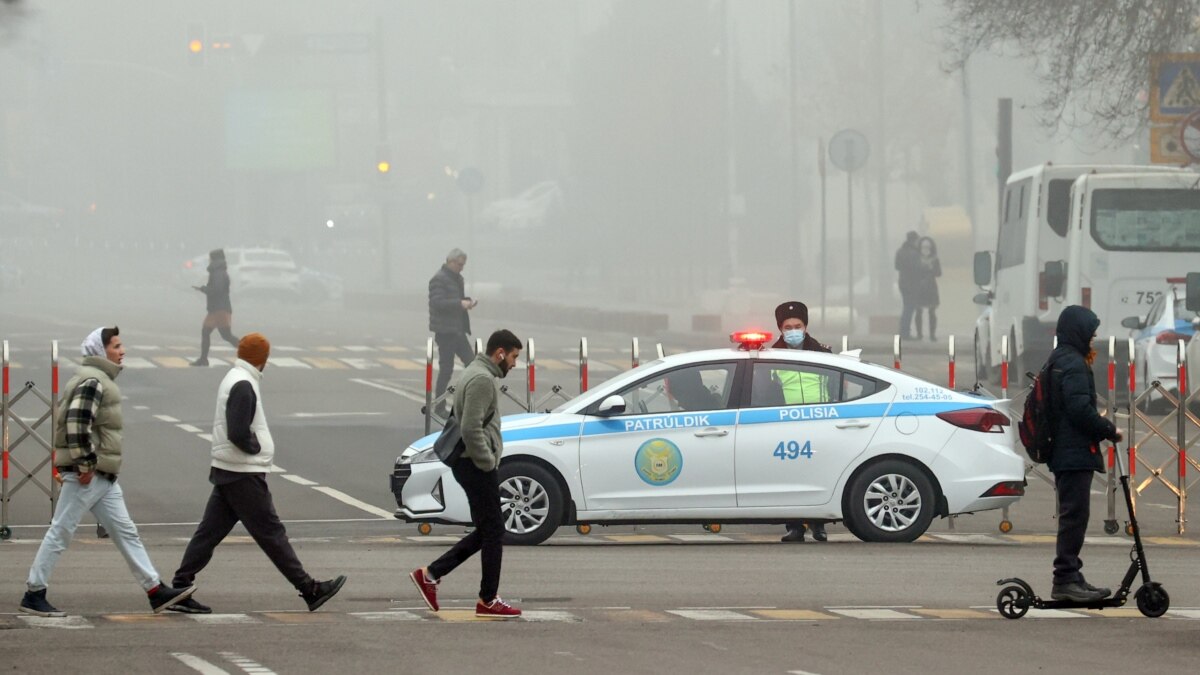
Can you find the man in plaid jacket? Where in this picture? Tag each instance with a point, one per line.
(87, 445)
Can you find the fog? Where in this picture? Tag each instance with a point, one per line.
(661, 157)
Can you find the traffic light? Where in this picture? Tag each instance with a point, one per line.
(195, 44)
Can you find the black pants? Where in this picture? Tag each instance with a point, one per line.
(919, 319)
(248, 500)
(1074, 509)
(206, 339)
(449, 346)
(483, 494)
(906, 314)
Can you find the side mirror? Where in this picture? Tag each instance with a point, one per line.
(983, 268)
(984, 298)
(1056, 278)
(1193, 292)
(1132, 323)
(613, 405)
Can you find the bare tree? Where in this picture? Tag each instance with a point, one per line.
(1092, 56)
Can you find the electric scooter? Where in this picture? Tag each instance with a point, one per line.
(1015, 599)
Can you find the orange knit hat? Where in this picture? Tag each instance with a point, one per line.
(254, 349)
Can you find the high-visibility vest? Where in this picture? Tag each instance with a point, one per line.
(800, 387)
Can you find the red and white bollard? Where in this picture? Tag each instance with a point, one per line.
(896, 352)
(4, 441)
(635, 359)
(428, 385)
(1181, 418)
(583, 365)
(530, 376)
(1132, 395)
(55, 479)
(1003, 366)
(950, 374)
(1112, 397)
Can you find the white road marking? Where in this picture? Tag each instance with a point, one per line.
(318, 415)
(800, 672)
(222, 619)
(435, 538)
(351, 501)
(207, 437)
(141, 407)
(275, 468)
(286, 348)
(395, 390)
(64, 622)
(710, 615)
(289, 362)
(386, 616)
(247, 665)
(699, 537)
(874, 614)
(1184, 613)
(166, 418)
(190, 429)
(986, 539)
(298, 480)
(358, 348)
(136, 362)
(538, 615)
(198, 664)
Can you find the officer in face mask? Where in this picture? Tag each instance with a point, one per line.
(792, 319)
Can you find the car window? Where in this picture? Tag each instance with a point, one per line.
(701, 387)
(1156, 311)
(782, 384)
(268, 256)
(1182, 313)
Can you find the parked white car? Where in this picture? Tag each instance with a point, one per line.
(533, 208)
(742, 435)
(1156, 339)
(251, 270)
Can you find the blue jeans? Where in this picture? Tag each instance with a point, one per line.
(103, 497)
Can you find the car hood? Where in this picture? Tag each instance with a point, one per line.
(512, 428)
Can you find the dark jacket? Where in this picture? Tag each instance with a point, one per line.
(810, 344)
(446, 293)
(217, 288)
(925, 287)
(1073, 396)
(907, 260)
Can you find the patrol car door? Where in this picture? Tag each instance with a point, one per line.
(802, 425)
(672, 448)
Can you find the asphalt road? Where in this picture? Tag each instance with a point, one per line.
(625, 599)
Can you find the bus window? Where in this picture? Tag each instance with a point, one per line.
(1058, 206)
(1146, 219)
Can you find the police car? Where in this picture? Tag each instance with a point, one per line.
(742, 435)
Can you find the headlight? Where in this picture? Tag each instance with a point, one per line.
(422, 457)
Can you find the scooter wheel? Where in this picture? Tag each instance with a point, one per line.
(1013, 602)
(1006, 526)
(1152, 600)
(1111, 527)
(424, 528)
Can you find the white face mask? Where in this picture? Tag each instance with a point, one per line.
(794, 337)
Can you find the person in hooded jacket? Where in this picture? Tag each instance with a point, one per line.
(792, 319)
(1075, 456)
(220, 310)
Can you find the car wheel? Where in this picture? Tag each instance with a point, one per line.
(890, 501)
(531, 502)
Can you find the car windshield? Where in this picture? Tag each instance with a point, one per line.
(1182, 313)
(615, 381)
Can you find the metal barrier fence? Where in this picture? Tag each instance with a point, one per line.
(27, 468)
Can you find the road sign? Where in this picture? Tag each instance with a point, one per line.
(470, 180)
(848, 150)
(1174, 86)
(1165, 145)
(1189, 136)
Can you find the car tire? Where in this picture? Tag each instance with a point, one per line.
(889, 501)
(531, 503)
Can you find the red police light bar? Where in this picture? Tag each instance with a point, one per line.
(750, 339)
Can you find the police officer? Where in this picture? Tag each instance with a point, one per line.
(792, 319)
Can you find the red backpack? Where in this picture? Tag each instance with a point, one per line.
(1036, 425)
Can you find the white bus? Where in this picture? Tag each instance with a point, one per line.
(1019, 300)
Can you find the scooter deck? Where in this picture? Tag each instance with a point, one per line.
(1107, 603)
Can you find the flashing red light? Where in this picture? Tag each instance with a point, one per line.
(188, 265)
(1177, 280)
(750, 339)
(1012, 488)
(986, 420)
(1170, 337)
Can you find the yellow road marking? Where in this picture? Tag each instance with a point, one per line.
(401, 364)
(636, 538)
(1115, 612)
(395, 350)
(759, 538)
(328, 348)
(325, 363)
(793, 614)
(461, 616)
(1169, 541)
(170, 361)
(1033, 538)
(136, 618)
(636, 615)
(302, 617)
(956, 614)
(554, 364)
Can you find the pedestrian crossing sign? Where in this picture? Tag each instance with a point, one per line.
(1174, 86)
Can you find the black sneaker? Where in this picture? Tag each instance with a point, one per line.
(163, 596)
(35, 603)
(1104, 592)
(199, 362)
(818, 531)
(1075, 592)
(794, 535)
(101, 533)
(321, 591)
(190, 606)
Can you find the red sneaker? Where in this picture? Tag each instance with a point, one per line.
(426, 586)
(496, 609)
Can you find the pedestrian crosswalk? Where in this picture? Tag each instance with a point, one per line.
(459, 612)
(317, 357)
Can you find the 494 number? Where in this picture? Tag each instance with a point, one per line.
(793, 450)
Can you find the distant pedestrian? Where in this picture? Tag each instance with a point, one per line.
(448, 319)
(220, 310)
(907, 260)
(1075, 452)
(477, 471)
(925, 287)
(799, 387)
(242, 454)
(87, 443)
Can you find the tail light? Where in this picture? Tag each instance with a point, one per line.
(1012, 488)
(1043, 301)
(1086, 297)
(986, 420)
(1170, 337)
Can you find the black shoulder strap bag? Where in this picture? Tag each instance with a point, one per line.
(449, 445)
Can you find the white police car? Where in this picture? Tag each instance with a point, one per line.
(743, 435)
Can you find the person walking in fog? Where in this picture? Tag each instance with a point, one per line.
(925, 287)
(220, 310)
(907, 260)
(242, 454)
(87, 443)
(448, 319)
(477, 471)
